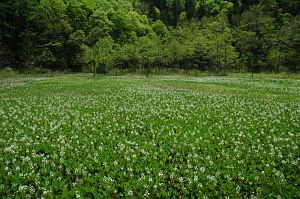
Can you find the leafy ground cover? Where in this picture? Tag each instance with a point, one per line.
(159, 137)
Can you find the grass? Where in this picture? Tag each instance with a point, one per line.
(158, 137)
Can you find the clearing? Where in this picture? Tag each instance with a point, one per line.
(171, 136)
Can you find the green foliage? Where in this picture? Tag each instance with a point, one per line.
(160, 29)
(77, 38)
(162, 137)
(218, 36)
(78, 13)
(51, 14)
(7, 72)
(255, 34)
(100, 26)
(190, 6)
(100, 54)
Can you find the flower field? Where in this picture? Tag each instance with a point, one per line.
(161, 137)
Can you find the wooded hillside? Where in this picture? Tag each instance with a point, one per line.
(211, 35)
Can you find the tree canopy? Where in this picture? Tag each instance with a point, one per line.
(217, 36)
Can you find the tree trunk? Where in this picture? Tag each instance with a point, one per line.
(278, 62)
(147, 69)
(95, 71)
(252, 67)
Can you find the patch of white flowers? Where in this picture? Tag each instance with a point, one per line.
(118, 137)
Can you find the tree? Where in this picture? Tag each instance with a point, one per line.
(53, 28)
(190, 8)
(57, 34)
(74, 50)
(160, 28)
(14, 18)
(176, 10)
(289, 44)
(122, 26)
(99, 26)
(254, 38)
(148, 49)
(100, 53)
(78, 13)
(201, 9)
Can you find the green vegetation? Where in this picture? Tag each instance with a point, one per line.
(156, 137)
(207, 35)
(186, 135)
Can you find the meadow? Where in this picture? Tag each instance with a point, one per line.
(160, 137)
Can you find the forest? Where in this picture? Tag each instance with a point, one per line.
(149, 99)
(206, 35)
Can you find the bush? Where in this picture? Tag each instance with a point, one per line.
(8, 72)
(38, 70)
(87, 69)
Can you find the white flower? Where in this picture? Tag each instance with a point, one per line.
(146, 193)
(160, 174)
(181, 179)
(202, 169)
(195, 178)
(130, 193)
(238, 188)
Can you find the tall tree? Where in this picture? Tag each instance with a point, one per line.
(53, 29)
(190, 8)
(176, 10)
(100, 54)
(254, 36)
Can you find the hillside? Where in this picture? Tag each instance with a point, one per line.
(209, 35)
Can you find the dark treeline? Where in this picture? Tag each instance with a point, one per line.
(209, 35)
